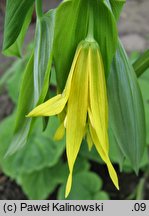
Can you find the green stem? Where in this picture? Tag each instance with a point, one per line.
(141, 185)
(141, 64)
(90, 34)
(140, 189)
(138, 193)
(39, 8)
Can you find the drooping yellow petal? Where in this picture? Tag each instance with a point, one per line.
(68, 185)
(51, 107)
(59, 132)
(56, 104)
(98, 95)
(68, 83)
(103, 153)
(98, 109)
(76, 112)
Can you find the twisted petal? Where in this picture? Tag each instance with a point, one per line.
(104, 154)
(98, 95)
(98, 109)
(56, 104)
(51, 107)
(76, 113)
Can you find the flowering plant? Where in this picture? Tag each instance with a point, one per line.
(97, 95)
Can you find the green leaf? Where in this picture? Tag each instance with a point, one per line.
(39, 152)
(142, 63)
(116, 6)
(27, 97)
(81, 165)
(66, 39)
(36, 167)
(68, 36)
(85, 186)
(13, 82)
(5, 136)
(115, 150)
(101, 195)
(17, 19)
(39, 184)
(43, 54)
(25, 104)
(126, 111)
(30, 166)
(105, 33)
(11, 79)
(144, 85)
(127, 166)
(9, 74)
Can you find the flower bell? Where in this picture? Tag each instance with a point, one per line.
(85, 100)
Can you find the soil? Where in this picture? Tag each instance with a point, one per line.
(9, 190)
(6, 105)
(134, 33)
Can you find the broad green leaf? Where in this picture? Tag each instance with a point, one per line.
(17, 19)
(105, 33)
(145, 159)
(85, 186)
(28, 98)
(127, 166)
(13, 82)
(43, 54)
(39, 152)
(144, 85)
(30, 166)
(9, 73)
(13, 85)
(39, 184)
(142, 63)
(68, 36)
(25, 104)
(75, 29)
(12, 76)
(5, 136)
(116, 6)
(37, 167)
(126, 111)
(81, 165)
(101, 195)
(115, 150)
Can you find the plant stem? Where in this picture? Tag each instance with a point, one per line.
(140, 189)
(39, 12)
(141, 64)
(138, 193)
(90, 34)
(141, 185)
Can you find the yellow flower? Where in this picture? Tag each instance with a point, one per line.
(85, 99)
